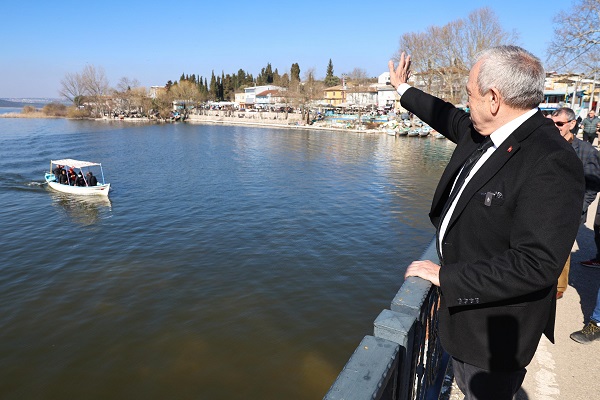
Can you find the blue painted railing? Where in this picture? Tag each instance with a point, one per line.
(403, 359)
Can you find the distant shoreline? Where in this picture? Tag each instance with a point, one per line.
(209, 120)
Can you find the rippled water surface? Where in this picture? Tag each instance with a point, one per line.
(229, 262)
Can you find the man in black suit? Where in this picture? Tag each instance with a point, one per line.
(504, 238)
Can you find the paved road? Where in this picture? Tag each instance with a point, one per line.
(567, 370)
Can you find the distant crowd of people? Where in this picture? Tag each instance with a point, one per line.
(70, 177)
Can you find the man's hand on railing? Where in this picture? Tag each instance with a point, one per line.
(424, 269)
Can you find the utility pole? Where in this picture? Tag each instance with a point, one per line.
(574, 94)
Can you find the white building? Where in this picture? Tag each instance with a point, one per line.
(386, 94)
(251, 92)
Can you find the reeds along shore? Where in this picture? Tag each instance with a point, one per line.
(37, 114)
(266, 119)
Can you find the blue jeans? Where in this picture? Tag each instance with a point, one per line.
(596, 313)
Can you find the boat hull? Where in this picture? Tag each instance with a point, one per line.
(99, 190)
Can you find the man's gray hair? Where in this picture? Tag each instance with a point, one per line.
(516, 73)
(566, 111)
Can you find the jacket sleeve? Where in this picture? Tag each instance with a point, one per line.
(591, 168)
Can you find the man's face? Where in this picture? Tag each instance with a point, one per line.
(561, 121)
(591, 114)
(478, 104)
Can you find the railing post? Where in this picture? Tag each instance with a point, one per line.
(412, 369)
(399, 328)
(371, 372)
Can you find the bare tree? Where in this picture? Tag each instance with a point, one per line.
(482, 30)
(576, 35)
(575, 41)
(443, 56)
(125, 92)
(186, 93)
(72, 88)
(302, 94)
(96, 88)
(358, 76)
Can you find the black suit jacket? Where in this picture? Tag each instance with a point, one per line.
(502, 258)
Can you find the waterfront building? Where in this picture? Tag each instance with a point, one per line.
(362, 96)
(269, 98)
(335, 95)
(250, 94)
(570, 90)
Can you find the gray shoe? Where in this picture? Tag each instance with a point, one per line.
(588, 334)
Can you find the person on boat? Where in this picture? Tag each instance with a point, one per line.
(80, 181)
(57, 172)
(62, 178)
(72, 176)
(91, 179)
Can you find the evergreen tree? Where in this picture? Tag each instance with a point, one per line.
(295, 72)
(330, 79)
(213, 90)
(229, 88)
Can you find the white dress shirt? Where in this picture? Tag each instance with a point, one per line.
(498, 137)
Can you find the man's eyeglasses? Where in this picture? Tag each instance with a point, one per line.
(561, 123)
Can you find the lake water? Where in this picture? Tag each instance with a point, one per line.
(6, 110)
(229, 262)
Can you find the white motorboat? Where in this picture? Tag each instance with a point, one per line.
(425, 131)
(86, 187)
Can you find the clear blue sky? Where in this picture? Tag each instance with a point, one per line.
(157, 41)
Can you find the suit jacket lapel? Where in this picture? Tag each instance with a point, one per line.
(447, 180)
(498, 159)
(507, 149)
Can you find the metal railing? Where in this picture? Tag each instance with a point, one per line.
(403, 359)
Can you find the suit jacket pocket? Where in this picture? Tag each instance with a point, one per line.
(490, 199)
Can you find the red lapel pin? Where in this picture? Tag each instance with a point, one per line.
(509, 149)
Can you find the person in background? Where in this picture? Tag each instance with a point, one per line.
(564, 119)
(591, 331)
(57, 172)
(72, 176)
(91, 179)
(505, 218)
(590, 127)
(80, 181)
(575, 129)
(62, 179)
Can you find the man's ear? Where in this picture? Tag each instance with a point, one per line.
(494, 97)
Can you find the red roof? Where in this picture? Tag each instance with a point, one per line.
(268, 92)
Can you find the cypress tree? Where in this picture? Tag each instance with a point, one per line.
(295, 72)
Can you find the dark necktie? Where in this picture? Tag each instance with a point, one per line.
(460, 181)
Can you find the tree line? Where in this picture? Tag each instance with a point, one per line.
(442, 58)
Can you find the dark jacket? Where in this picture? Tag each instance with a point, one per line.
(62, 179)
(591, 171)
(502, 258)
(590, 124)
(92, 181)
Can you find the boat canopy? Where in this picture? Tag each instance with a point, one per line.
(75, 163)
